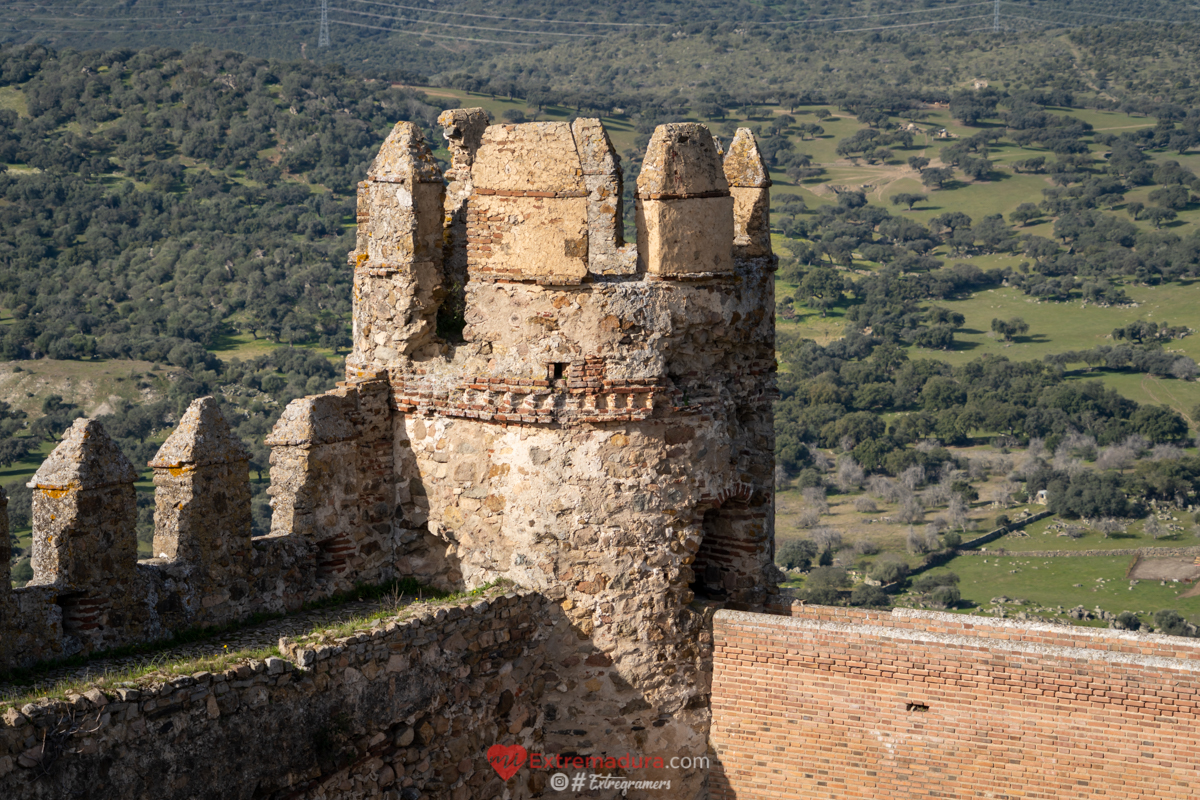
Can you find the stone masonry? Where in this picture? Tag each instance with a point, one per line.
(600, 435)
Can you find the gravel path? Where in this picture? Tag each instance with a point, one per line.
(265, 634)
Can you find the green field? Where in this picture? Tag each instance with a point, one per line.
(1051, 582)
(1044, 535)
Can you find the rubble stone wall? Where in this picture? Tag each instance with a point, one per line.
(407, 709)
(835, 703)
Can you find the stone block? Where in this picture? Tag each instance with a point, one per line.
(681, 161)
(682, 236)
(529, 237)
(749, 183)
(532, 157)
(202, 501)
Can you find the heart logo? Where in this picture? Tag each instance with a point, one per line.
(506, 759)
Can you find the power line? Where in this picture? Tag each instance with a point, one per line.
(909, 24)
(469, 27)
(824, 20)
(161, 30)
(1107, 16)
(520, 19)
(323, 36)
(427, 35)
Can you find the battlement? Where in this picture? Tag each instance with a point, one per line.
(600, 433)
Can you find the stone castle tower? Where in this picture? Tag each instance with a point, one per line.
(528, 398)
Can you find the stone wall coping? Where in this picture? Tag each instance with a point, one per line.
(297, 656)
(990, 634)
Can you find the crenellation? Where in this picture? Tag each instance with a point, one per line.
(463, 130)
(608, 254)
(684, 208)
(749, 184)
(202, 522)
(84, 533)
(398, 279)
(527, 217)
(600, 435)
(330, 458)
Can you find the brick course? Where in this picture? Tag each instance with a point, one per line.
(847, 703)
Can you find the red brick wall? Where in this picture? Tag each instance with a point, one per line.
(821, 705)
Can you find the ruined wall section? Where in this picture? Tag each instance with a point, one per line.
(834, 702)
(407, 709)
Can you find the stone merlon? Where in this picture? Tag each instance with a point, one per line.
(85, 459)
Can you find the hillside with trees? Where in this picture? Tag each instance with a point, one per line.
(988, 245)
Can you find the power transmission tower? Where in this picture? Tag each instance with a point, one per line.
(996, 23)
(323, 38)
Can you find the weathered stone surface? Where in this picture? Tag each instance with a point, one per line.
(84, 534)
(681, 161)
(86, 458)
(404, 158)
(749, 183)
(607, 252)
(463, 129)
(202, 437)
(398, 278)
(534, 157)
(342, 726)
(527, 217)
(528, 237)
(685, 236)
(317, 419)
(684, 209)
(743, 165)
(202, 520)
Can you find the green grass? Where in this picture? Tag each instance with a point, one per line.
(244, 346)
(1050, 582)
(402, 600)
(1059, 327)
(88, 384)
(1043, 536)
(13, 99)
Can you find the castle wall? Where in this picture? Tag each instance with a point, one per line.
(405, 710)
(601, 434)
(835, 703)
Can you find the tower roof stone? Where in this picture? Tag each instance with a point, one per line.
(744, 167)
(405, 158)
(681, 161)
(202, 437)
(87, 458)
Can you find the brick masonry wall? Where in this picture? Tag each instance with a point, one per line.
(842, 703)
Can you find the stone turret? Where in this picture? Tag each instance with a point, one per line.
(749, 183)
(684, 209)
(202, 503)
(463, 130)
(84, 530)
(607, 252)
(398, 280)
